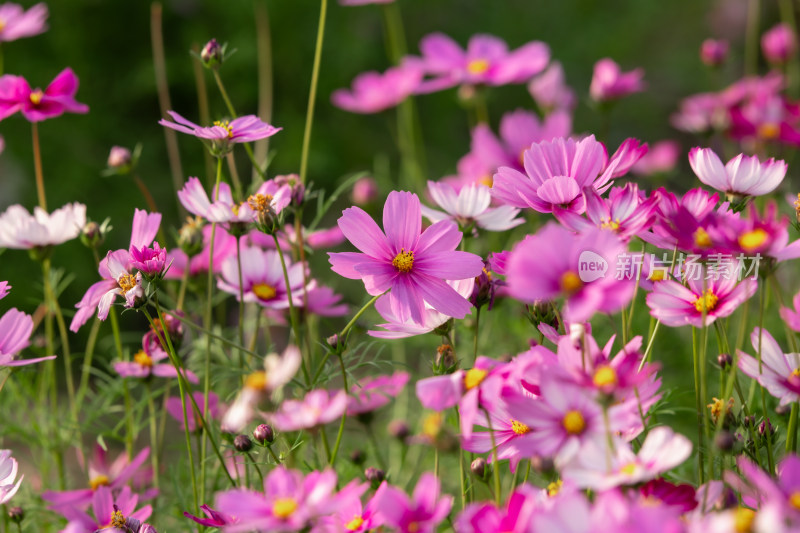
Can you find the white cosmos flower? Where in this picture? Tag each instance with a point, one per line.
(19, 229)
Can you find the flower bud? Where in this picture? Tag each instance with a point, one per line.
(399, 429)
(778, 44)
(147, 528)
(765, 427)
(263, 434)
(242, 443)
(212, 54)
(365, 191)
(357, 457)
(480, 469)
(16, 514)
(543, 465)
(446, 361)
(298, 189)
(713, 53)
(724, 441)
(119, 157)
(190, 236)
(782, 410)
(724, 360)
(542, 312)
(333, 342)
(374, 475)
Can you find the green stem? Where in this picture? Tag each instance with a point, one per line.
(495, 464)
(292, 309)
(700, 409)
(344, 414)
(791, 432)
(37, 166)
(751, 38)
(151, 408)
(475, 340)
(88, 355)
(312, 93)
(767, 434)
(241, 301)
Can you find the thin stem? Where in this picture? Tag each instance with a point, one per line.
(699, 407)
(292, 309)
(312, 93)
(87, 361)
(151, 408)
(496, 469)
(475, 340)
(202, 107)
(767, 434)
(37, 166)
(264, 68)
(241, 301)
(232, 111)
(55, 309)
(255, 465)
(751, 38)
(344, 414)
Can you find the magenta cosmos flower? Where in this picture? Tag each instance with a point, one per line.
(215, 518)
(514, 518)
(486, 61)
(8, 472)
(373, 92)
(371, 393)
(108, 512)
(147, 362)
(37, 105)
(556, 263)
(557, 172)
(262, 278)
(610, 83)
(4, 289)
(174, 408)
(223, 134)
(317, 408)
(15, 333)
(16, 23)
(469, 208)
(21, 230)
(677, 305)
(778, 372)
(779, 44)
(414, 266)
(741, 176)
(421, 513)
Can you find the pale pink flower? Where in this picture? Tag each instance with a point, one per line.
(550, 89)
(364, 191)
(610, 83)
(4, 289)
(714, 53)
(16, 23)
(778, 372)
(371, 393)
(262, 279)
(225, 210)
(118, 157)
(21, 230)
(421, 513)
(8, 473)
(792, 315)
(317, 408)
(660, 158)
(742, 175)
(15, 333)
(148, 362)
(104, 507)
(175, 409)
(374, 92)
(469, 207)
(222, 135)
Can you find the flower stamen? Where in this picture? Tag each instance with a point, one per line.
(574, 422)
(403, 261)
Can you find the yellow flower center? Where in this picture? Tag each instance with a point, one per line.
(432, 425)
(570, 282)
(355, 523)
(143, 359)
(477, 66)
(605, 376)
(717, 407)
(519, 428)
(796, 372)
(574, 422)
(769, 131)
(284, 507)
(743, 521)
(628, 469)
(751, 240)
(702, 239)
(707, 301)
(613, 225)
(554, 487)
(264, 291)
(488, 180)
(473, 377)
(2, 24)
(259, 202)
(256, 381)
(224, 125)
(99, 481)
(117, 520)
(403, 261)
(36, 97)
(656, 275)
(126, 282)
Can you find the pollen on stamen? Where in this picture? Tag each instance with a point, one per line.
(519, 428)
(403, 261)
(126, 282)
(36, 97)
(259, 202)
(708, 301)
(224, 125)
(143, 359)
(477, 66)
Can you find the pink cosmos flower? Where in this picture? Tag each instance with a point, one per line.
(551, 91)
(223, 134)
(15, 333)
(626, 212)
(661, 451)
(514, 518)
(557, 172)
(486, 61)
(16, 23)
(37, 105)
(225, 210)
(290, 501)
(4, 289)
(759, 489)
(395, 328)
(115, 270)
(224, 247)
(742, 176)
(713, 52)
(659, 159)
(278, 371)
(421, 513)
(101, 475)
(174, 408)
(779, 43)
(469, 207)
(789, 315)
(8, 472)
(610, 83)
(414, 265)
(778, 372)
(677, 305)
(374, 92)
(365, 191)
(372, 393)
(317, 408)
(350, 515)
(215, 518)
(108, 511)
(21, 230)
(545, 266)
(262, 278)
(678, 219)
(149, 261)
(147, 362)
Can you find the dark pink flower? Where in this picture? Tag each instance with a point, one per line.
(714, 53)
(514, 518)
(415, 265)
(215, 518)
(610, 83)
(421, 513)
(779, 43)
(149, 260)
(16, 23)
(37, 105)
(626, 212)
(373, 92)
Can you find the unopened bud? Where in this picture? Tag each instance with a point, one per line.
(212, 54)
(333, 342)
(242, 443)
(783, 409)
(119, 157)
(713, 53)
(399, 429)
(446, 361)
(724, 360)
(190, 236)
(263, 434)
(374, 475)
(765, 427)
(147, 528)
(358, 457)
(365, 191)
(480, 469)
(16, 514)
(724, 441)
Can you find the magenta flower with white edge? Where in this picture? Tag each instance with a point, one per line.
(486, 61)
(317, 408)
(371, 393)
(21, 230)
(470, 207)
(777, 372)
(8, 473)
(278, 371)
(741, 176)
(16, 23)
(262, 279)
(15, 334)
(421, 513)
(556, 263)
(223, 134)
(677, 305)
(415, 266)
(661, 451)
(610, 83)
(373, 92)
(395, 328)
